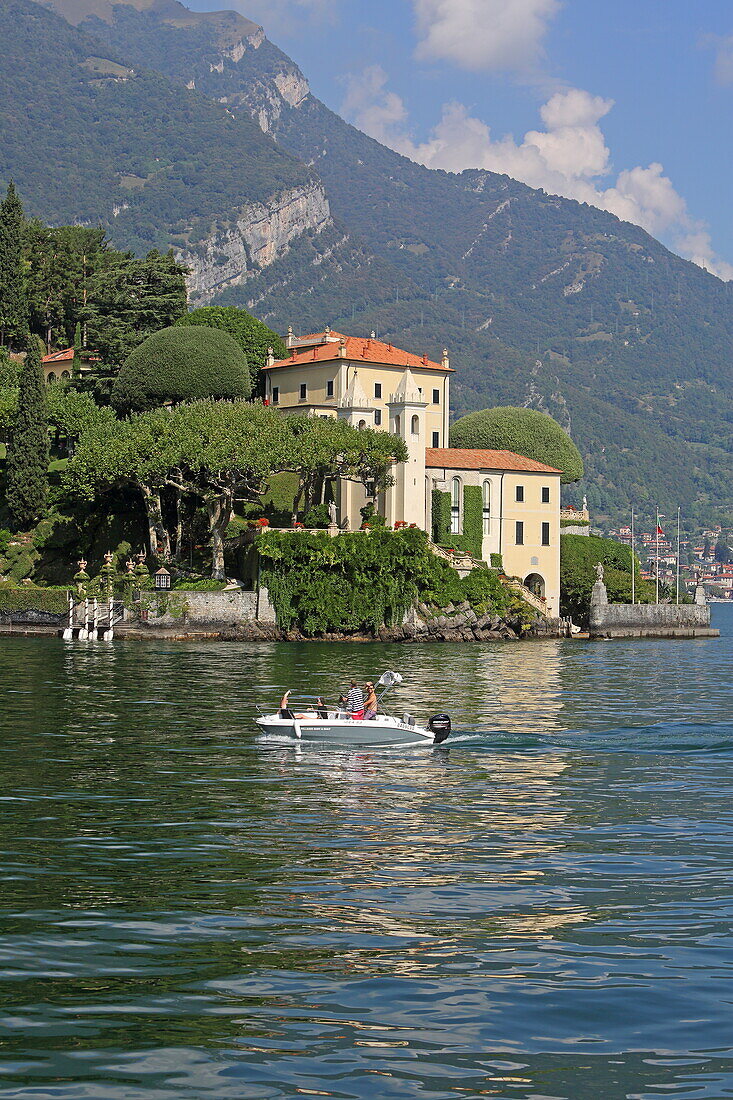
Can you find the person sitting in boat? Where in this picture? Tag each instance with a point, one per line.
(321, 708)
(370, 703)
(355, 702)
(285, 711)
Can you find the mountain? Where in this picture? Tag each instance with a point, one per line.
(541, 300)
(117, 144)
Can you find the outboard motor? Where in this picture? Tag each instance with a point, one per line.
(440, 725)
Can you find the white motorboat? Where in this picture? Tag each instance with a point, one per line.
(308, 722)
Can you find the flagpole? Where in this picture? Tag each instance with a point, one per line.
(657, 569)
(633, 570)
(678, 554)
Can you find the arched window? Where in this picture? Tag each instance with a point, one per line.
(397, 425)
(455, 506)
(51, 376)
(487, 506)
(65, 374)
(415, 425)
(361, 425)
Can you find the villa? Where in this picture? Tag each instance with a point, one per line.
(510, 503)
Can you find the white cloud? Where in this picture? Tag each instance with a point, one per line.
(502, 35)
(723, 46)
(568, 157)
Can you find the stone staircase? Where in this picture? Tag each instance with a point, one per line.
(463, 563)
(527, 595)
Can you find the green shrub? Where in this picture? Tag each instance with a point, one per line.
(253, 337)
(317, 516)
(523, 431)
(371, 516)
(52, 600)
(5, 538)
(358, 581)
(497, 562)
(182, 364)
(237, 526)
(579, 555)
(207, 584)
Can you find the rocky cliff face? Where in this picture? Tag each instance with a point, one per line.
(262, 234)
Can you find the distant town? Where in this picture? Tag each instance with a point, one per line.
(705, 557)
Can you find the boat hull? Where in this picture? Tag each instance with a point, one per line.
(346, 731)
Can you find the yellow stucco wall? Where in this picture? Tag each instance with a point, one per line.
(532, 556)
(505, 511)
(288, 380)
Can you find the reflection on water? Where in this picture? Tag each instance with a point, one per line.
(541, 909)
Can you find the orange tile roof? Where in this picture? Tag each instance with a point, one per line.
(59, 356)
(358, 348)
(457, 458)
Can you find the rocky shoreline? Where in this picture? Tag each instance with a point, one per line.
(422, 624)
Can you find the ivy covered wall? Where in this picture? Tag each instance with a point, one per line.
(360, 581)
(473, 521)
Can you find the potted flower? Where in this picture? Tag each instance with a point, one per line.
(263, 522)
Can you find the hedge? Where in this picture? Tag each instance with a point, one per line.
(361, 581)
(53, 600)
(182, 364)
(523, 431)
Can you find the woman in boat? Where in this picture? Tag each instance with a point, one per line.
(370, 704)
(285, 711)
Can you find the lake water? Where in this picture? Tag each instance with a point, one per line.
(541, 910)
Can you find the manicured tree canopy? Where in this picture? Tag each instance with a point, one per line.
(253, 336)
(28, 450)
(524, 431)
(182, 364)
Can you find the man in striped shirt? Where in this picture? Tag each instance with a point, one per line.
(355, 701)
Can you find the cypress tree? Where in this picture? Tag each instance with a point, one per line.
(28, 449)
(13, 303)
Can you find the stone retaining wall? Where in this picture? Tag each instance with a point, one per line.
(664, 620)
(231, 608)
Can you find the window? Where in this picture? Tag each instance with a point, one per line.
(545, 534)
(275, 394)
(329, 388)
(397, 425)
(377, 389)
(455, 507)
(519, 533)
(377, 417)
(303, 391)
(487, 507)
(436, 397)
(362, 425)
(519, 495)
(415, 425)
(545, 494)
(436, 439)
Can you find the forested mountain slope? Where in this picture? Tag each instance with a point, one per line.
(91, 137)
(542, 301)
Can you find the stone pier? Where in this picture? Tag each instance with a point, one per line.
(647, 620)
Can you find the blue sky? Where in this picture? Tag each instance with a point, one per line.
(626, 105)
